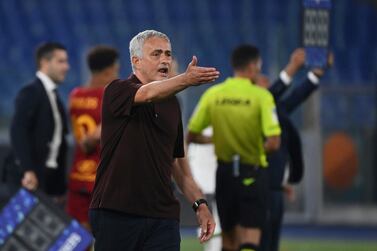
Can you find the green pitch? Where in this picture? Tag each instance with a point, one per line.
(192, 244)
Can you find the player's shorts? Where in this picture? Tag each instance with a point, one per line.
(241, 199)
(78, 205)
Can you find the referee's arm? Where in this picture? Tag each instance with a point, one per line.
(270, 123)
(272, 144)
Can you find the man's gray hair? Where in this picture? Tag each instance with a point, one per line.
(137, 42)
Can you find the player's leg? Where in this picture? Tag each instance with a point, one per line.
(78, 206)
(265, 243)
(277, 209)
(227, 206)
(253, 185)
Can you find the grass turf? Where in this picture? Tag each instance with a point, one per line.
(192, 244)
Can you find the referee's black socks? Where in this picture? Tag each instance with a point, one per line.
(248, 247)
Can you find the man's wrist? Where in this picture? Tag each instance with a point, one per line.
(285, 77)
(313, 77)
(198, 203)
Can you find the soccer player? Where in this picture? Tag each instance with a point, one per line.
(85, 104)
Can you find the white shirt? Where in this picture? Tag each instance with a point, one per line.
(56, 141)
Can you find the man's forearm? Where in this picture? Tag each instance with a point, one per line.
(198, 138)
(194, 75)
(21, 144)
(185, 181)
(158, 90)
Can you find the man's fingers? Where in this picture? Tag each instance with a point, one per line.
(202, 69)
(29, 181)
(211, 229)
(209, 73)
(207, 79)
(194, 61)
(214, 74)
(203, 233)
(207, 231)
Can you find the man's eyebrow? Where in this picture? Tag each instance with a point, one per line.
(162, 51)
(158, 50)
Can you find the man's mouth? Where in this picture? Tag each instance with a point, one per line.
(163, 70)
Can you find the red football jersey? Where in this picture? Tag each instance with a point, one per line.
(85, 105)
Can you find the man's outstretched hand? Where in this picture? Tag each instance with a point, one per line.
(196, 75)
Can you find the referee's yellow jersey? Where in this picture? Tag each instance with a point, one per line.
(241, 115)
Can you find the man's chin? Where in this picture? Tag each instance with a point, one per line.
(162, 76)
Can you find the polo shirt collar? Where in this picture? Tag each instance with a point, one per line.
(134, 79)
(238, 81)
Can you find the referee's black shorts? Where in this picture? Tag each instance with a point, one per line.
(241, 199)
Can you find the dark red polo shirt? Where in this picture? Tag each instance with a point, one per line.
(137, 178)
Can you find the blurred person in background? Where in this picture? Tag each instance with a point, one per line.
(290, 151)
(245, 129)
(39, 125)
(133, 206)
(85, 105)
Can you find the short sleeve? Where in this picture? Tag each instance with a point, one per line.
(201, 117)
(119, 96)
(270, 122)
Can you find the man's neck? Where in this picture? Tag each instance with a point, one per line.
(97, 81)
(242, 74)
(142, 79)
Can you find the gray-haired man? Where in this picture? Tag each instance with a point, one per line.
(133, 206)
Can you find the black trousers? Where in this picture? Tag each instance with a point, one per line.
(271, 231)
(124, 232)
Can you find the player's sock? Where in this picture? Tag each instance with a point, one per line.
(248, 247)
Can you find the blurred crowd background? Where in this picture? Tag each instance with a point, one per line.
(338, 125)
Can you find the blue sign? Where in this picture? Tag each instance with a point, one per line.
(30, 222)
(316, 33)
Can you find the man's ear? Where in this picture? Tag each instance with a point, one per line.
(135, 62)
(43, 63)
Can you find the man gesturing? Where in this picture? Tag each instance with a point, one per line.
(133, 206)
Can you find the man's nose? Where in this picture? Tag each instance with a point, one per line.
(165, 59)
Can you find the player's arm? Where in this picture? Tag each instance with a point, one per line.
(305, 89)
(272, 144)
(185, 181)
(198, 138)
(270, 123)
(295, 63)
(194, 75)
(89, 142)
(199, 121)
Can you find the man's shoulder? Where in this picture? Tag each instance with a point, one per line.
(214, 89)
(118, 84)
(261, 92)
(32, 88)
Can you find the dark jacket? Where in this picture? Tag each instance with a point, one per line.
(31, 132)
(290, 150)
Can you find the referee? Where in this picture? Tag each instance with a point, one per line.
(245, 128)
